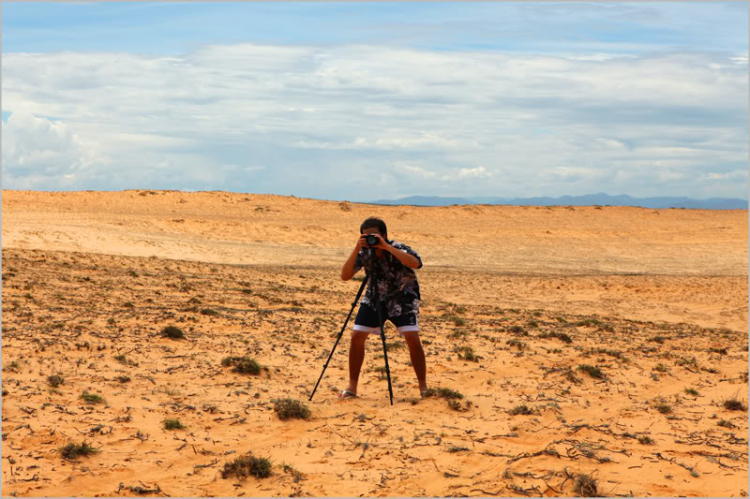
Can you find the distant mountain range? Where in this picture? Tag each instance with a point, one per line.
(599, 199)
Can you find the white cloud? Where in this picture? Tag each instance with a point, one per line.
(253, 168)
(574, 173)
(601, 121)
(45, 154)
(611, 144)
(409, 140)
(417, 171)
(733, 175)
(667, 176)
(478, 172)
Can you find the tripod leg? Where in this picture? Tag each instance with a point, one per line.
(354, 304)
(382, 336)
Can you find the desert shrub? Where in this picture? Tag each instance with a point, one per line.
(515, 343)
(687, 362)
(173, 332)
(734, 404)
(592, 371)
(247, 366)
(588, 322)
(142, 491)
(443, 392)
(172, 424)
(92, 398)
(522, 410)
(290, 409)
(55, 380)
(72, 451)
(585, 486)
(248, 465)
(457, 449)
(560, 336)
(663, 408)
(242, 365)
(563, 336)
(467, 353)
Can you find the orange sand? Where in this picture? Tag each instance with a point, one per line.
(651, 297)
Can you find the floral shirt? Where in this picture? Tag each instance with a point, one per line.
(398, 289)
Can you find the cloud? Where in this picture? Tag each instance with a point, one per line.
(733, 175)
(478, 172)
(410, 140)
(366, 115)
(41, 153)
(416, 171)
(572, 173)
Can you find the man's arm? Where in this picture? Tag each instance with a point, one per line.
(409, 260)
(348, 270)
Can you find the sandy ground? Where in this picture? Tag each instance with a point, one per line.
(517, 301)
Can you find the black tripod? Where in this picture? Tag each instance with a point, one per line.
(382, 334)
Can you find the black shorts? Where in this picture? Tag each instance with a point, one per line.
(367, 321)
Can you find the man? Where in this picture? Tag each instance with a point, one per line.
(393, 265)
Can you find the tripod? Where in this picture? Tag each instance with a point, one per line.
(382, 334)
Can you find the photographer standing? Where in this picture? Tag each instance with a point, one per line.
(393, 265)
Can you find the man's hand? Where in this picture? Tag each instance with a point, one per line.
(382, 244)
(361, 242)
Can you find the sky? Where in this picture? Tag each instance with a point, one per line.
(377, 100)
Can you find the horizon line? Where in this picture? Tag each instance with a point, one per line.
(386, 202)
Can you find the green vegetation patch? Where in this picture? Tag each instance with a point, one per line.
(173, 332)
(290, 409)
(248, 465)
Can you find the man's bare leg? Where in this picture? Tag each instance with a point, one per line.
(356, 358)
(417, 358)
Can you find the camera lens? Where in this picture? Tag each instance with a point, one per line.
(371, 240)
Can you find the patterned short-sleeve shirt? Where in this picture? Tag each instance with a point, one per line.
(398, 288)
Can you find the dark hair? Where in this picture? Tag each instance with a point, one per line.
(374, 222)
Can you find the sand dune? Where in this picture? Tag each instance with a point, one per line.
(517, 301)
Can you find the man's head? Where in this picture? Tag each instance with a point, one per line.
(373, 224)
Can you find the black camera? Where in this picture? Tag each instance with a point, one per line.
(371, 240)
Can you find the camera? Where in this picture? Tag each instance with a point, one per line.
(371, 240)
